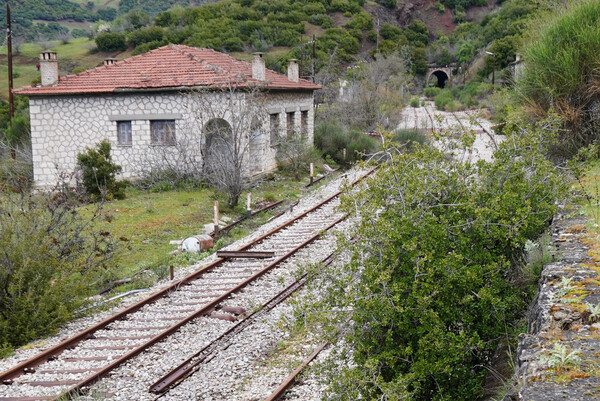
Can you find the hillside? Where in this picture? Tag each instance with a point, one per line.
(348, 28)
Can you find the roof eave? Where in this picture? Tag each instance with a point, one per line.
(34, 92)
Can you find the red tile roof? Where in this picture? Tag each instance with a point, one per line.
(168, 67)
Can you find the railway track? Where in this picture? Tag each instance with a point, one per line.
(66, 369)
(190, 365)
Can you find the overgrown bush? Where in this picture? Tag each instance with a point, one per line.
(561, 72)
(16, 175)
(432, 91)
(429, 287)
(294, 155)
(98, 173)
(110, 42)
(51, 261)
(410, 137)
(344, 147)
(444, 100)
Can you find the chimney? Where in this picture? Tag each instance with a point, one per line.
(49, 67)
(293, 72)
(258, 67)
(109, 61)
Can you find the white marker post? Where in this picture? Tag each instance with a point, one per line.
(248, 203)
(216, 218)
(312, 173)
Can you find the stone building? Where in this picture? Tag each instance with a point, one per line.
(158, 109)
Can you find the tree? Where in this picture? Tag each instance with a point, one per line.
(98, 173)
(110, 41)
(231, 116)
(374, 93)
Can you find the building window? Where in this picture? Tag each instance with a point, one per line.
(274, 120)
(124, 133)
(291, 123)
(304, 123)
(162, 132)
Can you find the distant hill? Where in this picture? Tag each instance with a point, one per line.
(346, 30)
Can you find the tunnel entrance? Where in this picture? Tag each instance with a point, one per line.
(441, 78)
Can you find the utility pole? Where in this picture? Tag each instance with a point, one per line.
(11, 103)
(494, 66)
(314, 56)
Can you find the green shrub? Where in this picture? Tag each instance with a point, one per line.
(414, 102)
(110, 42)
(372, 36)
(388, 3)
(51, 262)
(361, 21)
(294, 155)
(145, 35)
(98, 173)
(332, 140)
(432, 91)
(443, 99)
(409, 137)
(467, 100)
(440, 7)
(389, 31)
(430, 287)
(561, 70)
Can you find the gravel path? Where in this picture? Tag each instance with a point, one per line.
(430, 119)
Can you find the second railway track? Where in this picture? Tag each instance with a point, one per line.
(83, 359)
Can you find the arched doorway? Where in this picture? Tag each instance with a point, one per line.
(218, 146)
(255, 147)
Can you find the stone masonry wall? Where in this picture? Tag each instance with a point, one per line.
(63, 126)
(561, 317)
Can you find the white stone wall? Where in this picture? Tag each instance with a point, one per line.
(63, 126)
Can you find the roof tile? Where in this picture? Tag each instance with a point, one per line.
(171, 66)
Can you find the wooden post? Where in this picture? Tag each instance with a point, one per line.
(216, 218)
(312, 173)
(171, 272)
(344, 153)
(248, 205)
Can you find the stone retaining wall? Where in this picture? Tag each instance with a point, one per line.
(561, 315)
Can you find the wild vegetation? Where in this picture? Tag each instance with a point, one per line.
(561, 74)
(52, 260)
(436, 280)
(428, 296)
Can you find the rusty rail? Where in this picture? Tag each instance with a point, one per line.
(310, 184)
(243, 218)
(189, 366)
(208, 308)
(289, 381)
